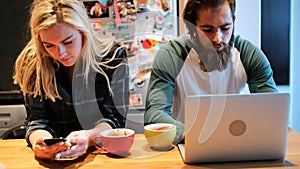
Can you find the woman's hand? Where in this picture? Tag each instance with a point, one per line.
(80, 142)
(41, 150)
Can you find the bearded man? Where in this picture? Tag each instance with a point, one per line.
(208, 59)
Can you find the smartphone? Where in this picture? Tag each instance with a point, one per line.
(51, 141)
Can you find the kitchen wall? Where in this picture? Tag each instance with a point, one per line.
(248, 19)
(14, 36)
(294, 67)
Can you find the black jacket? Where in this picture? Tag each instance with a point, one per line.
(87, 105)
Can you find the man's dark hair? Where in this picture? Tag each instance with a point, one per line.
(190, 12)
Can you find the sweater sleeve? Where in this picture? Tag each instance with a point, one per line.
(159, 100)
(257, 66)
(36, 118)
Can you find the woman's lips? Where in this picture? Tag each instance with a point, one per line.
(65, 59)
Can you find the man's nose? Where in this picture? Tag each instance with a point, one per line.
(217, 38)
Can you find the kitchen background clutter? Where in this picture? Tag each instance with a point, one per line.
(142, 26)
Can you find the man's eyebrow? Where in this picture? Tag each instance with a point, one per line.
(67, 38)
(210, 26)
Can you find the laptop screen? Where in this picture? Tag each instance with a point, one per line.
(236, 127)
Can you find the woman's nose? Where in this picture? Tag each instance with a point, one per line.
(61, 50)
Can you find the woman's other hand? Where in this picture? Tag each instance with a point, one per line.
(80, 142)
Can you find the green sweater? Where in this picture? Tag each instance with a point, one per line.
(174, 76)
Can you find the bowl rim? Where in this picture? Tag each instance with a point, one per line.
(132, 132)
(148, 127)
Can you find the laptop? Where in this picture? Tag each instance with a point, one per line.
(235, 127)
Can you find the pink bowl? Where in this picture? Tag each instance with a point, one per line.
(115, 143)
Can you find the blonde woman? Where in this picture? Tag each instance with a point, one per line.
(75, 82)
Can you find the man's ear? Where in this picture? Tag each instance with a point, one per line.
(234, 17)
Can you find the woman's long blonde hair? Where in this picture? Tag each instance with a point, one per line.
(34, 71)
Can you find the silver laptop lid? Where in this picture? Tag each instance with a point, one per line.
(236, 127)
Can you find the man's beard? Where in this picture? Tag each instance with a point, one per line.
(211, 59)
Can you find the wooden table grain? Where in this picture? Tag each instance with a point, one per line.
(14, 154)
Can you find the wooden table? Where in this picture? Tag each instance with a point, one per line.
(15, 154)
